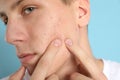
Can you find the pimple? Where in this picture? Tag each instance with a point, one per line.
(45, 34)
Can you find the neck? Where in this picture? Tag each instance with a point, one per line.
(84, 41)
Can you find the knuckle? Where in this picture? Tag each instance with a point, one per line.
(74, 75)
(53, 77)
(44, 62)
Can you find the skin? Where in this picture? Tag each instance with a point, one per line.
(52, 23)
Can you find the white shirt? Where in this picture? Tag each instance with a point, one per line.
(111, 70)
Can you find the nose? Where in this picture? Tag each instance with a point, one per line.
(15, 32)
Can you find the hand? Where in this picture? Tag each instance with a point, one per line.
(42, 68)
(21, 72)
(85, 60)
(78, 76)
(18, 75)
(74, 76)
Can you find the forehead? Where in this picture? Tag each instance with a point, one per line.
(5, 4)
(8, 5)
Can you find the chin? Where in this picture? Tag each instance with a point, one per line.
(30, 63)
(30, 66)
(58, 62)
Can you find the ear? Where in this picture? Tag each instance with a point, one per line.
(82, 12)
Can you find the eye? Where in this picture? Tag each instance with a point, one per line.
(4, 19)
(28, 10)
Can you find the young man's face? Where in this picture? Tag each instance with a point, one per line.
(33, 24)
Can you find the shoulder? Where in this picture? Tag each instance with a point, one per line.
(111, 69)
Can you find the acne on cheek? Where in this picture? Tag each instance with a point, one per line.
(43, 41)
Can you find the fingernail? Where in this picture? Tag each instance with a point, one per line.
(69, 42)
(57, 42)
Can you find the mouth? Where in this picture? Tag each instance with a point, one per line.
(26, 57)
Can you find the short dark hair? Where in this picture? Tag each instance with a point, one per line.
(67, 2)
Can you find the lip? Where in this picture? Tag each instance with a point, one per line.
(26, 57)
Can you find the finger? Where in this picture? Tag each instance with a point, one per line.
(78, 76)
(87, 61)
(41, 70)
(19, 74)
(53, 77)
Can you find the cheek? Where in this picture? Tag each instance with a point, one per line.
(41, 34)
(41, 40)
(68, 29)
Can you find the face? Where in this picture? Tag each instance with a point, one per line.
(33, 24)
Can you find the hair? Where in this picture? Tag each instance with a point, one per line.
(67, 2)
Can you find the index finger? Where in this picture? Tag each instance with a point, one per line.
(86, 60)
(18, 75)
(41, 70)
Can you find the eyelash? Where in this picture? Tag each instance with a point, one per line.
(28, 10)
(4, 19)
(24, 12)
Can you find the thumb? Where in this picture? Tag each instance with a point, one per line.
(18, 75)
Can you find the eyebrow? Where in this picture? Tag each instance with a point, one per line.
(17, 3)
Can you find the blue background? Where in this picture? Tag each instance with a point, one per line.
(104, 35)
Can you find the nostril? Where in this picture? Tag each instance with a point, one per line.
(15, 37)
(16, 42)
(15, 33)
(13, 40)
